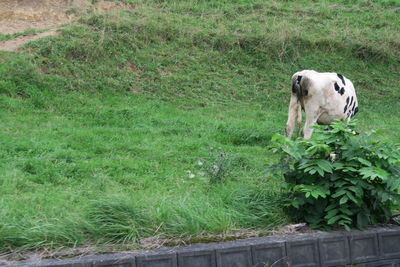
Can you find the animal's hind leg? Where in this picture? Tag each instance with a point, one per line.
(298, 119)
(292, 115)
(312, 114)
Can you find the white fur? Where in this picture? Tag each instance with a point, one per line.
(322, 103)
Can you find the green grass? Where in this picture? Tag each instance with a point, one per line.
(6, 37)
(102, 126)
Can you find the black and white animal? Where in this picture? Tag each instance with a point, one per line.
(324, 97)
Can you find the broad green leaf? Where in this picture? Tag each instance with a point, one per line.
(317, 194)
(347, 227)
(373, 172)
(312, 190)
(330, 207)
(345, 224)
(357, 190)
(291, 153)
(339, 193)
(295, 204)
(331, 213)
(345, 211)
(385, 196)
(337, 165)
(334, 219)
(351, 197)
(349, 169)
(343, 200)
(364, 161)
(318, 148)
(382, 173)
(325, 165)
(340, 184)
(346, 217)
(394, 184)
(308, 169)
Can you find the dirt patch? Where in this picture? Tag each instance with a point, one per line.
(19, 15)
(133, 68)
(15, 43)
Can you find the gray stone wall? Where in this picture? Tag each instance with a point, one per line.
(373, 247)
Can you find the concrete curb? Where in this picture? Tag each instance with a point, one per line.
(373, 247)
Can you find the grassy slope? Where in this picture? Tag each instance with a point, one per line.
(101, 125)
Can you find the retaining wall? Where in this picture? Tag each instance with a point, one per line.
(373, 247)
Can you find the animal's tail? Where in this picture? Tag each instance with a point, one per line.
(300, 85)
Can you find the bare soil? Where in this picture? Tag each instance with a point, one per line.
(14, 44)
(19, 15)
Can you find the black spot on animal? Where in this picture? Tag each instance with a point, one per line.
(347, 100)
(337, 87)
(299, 79)
(345, 108)
(342, 78)
(351, 101)
(341, 92)
(355, 111)
(354, 104)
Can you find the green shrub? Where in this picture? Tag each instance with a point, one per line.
(340, 178)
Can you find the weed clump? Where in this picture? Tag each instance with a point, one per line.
(117, 221)
(339, 178)
(220, 165)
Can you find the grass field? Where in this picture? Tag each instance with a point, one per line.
(157, 121)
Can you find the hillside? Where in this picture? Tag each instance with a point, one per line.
(153, 122)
